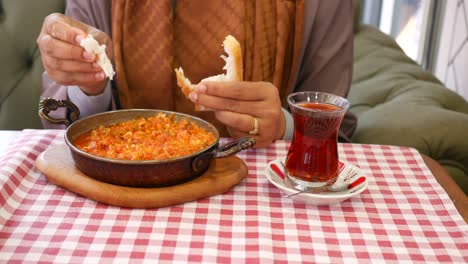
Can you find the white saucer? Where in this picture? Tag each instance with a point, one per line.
(323, 198)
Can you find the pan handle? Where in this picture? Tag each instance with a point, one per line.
(234, 147)
(201, 162)
(46, 105)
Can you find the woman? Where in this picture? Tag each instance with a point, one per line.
(287, 46)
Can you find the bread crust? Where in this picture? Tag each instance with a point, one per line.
(183, 82)
(233, 67)
(231, 44)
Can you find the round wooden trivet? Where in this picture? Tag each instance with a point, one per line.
(57, 165)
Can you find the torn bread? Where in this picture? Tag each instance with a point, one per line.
(92, 46)
(233, 67)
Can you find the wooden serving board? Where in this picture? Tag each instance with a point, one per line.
(57, 165)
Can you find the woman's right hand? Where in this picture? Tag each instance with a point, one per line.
(65, 60)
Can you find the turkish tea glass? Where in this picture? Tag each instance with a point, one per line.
(312, 159)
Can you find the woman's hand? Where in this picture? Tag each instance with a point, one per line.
(238, 104)
(65, 60)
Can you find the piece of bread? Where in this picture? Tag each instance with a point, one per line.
(92, 46)
(233, 67)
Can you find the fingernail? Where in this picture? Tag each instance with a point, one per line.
(99, 76)
(201, 88)
(78, 39)
(193, 97)
(88, 56)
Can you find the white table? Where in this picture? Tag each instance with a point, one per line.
(7, 136)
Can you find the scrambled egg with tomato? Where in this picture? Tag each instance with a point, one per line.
(153, 138)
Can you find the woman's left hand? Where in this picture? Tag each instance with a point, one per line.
(239, 105)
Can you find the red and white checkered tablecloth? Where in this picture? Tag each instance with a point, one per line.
(403, 216)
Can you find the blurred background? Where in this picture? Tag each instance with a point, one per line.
(434, 33)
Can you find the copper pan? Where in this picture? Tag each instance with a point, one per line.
(147, 173)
